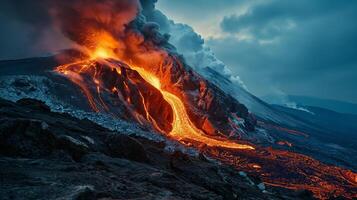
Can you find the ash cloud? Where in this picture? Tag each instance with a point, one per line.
(32, 28)
(188, 43)
(80, 19)
(49, 27)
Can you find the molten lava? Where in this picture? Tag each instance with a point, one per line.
(182, 126)
(101, 53)
(171, 98)
(291, 170)
(275, 167)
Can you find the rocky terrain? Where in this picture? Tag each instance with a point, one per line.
(126, 115)
(47, 155)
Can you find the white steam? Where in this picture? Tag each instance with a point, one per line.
(191, 45)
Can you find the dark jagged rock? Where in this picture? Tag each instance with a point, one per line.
(125, 147)
(21, 83)
(25, 138)
(250, 122)
(121, 91)
(31, 103)
(46, 155)
(209, 108)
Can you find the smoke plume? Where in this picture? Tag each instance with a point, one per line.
(141, 28)
(188, 43)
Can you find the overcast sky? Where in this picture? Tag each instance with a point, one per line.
(301, 47)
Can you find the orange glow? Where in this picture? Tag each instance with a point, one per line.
(102, 45)
(291, 170)
(101, 53)
(77, 79)
(102, 34)
(256, 166)
(153, 80)
(312, 175)
(183, 128)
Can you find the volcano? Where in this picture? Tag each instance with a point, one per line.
(123, 74)
(149, 102)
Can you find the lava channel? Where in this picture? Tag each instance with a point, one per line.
(182, 127)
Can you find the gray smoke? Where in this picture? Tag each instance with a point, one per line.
(188, 43)
(29, 31)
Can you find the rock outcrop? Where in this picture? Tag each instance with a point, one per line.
(46, 155)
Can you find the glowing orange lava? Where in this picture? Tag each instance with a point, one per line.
(101, 53)
(275, 167)
(110, 33)
(183, 128)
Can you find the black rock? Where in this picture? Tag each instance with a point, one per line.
(46, 155)
(123, 146)
(35, 104)
(25, 138)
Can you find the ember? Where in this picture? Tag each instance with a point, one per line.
(292, 170)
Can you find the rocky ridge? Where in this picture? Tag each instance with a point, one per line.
(47, 155)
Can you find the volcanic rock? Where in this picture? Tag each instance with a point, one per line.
(116, 89)
(125, 147)
(208, 107)
(33, 104)
(46, 155)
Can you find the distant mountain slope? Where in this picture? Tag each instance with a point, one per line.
(342, 127)
(255, 105)
(335, 105)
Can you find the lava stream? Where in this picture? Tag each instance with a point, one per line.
(182, 127)
(275, 167)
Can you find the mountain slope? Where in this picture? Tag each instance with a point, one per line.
(335, 105)
(281, 140)
(77, 159)
(342, 127)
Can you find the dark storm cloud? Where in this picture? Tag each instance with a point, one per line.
(272, 18)
(194, 9)
(33, 28)
(155, 15)
(311, 47)
(29, 12)
(26, 30)
(300, 47)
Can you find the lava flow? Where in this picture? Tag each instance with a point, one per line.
(182, 126)
(275, 168)
(291, 170)
(124, 74)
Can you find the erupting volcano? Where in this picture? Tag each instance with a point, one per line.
(126, 68)
(182, 127)
(134, 69)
